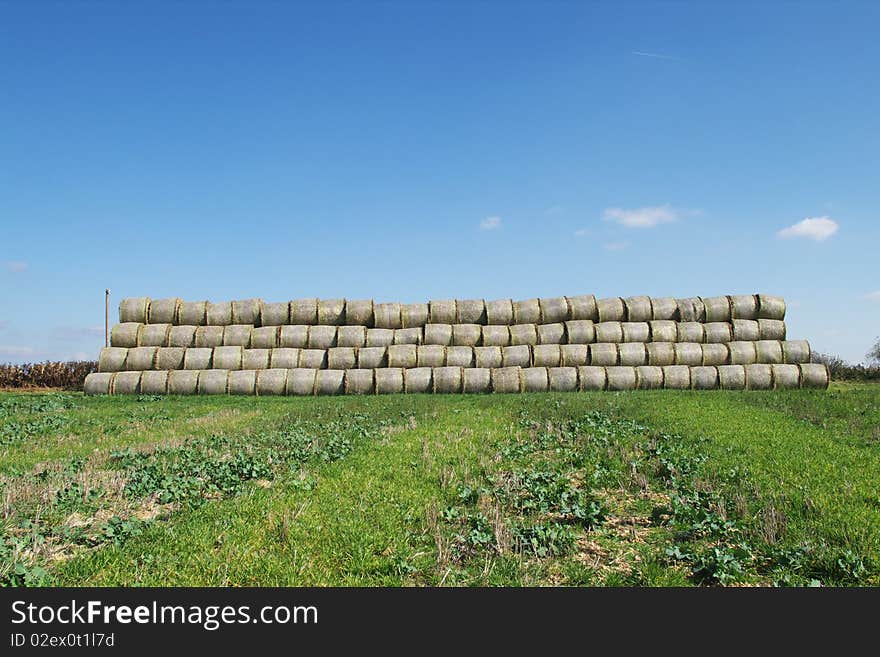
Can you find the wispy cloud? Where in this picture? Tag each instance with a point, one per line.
(642, 217)
(490, 223)
(582, 232)
(817, 229)
(615, 246)
(15, 266)
(654, 55)
(873, 296)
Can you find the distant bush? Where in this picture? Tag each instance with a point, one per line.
(840, 370)
(69, 376)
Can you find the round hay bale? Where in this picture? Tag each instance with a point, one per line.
(246, 311)
(371, 358)
(431, 355)
(442, 311)
(746, 330)
(242, 382)
(578, 331)
(621, 378)
(219, 314)
(638, 309)
(227, 358)
(198, 358)
(759, 376)
(315, 359)
(591, 377)
(470, 311)
(322, 337)
(717, 309)
(535, 379)
(466, 335)
(676, 377)
(506, 380)
(715, 354)
(487, 357)
(295, 336)
(359, 312)
(732, 377)
(688, 353)
(265, 337)
(170, 358)
(476, 380)
(496, 336)
(691, 332)
(744, 306)
(771, 307)
(563, 379)
(742, 353)
(527, 311)
(163, 311)
(771, 329)
(604, 354)
(271, 382)
(551, 333)
(768, 351)
(183, 382)
(112, 359)
(330, 382)
(796, 351)
(814, 375)
(331, 312)
(389, 381)
(301, 382)
(341, 358)
(583, 307)
(126, 383)
(276, 313)
(414, 315)
(402, 355)
(720, 332)
(286, 358)
(786, 377)
(661, 353)
(547, 355)
(664, 309)
(134, 309)
(126, 335)
(516, 356)
(141, 358)
(304, 311)
(192, 313)
(98, 383)
(499, 312)
(636, 331)
(359, 382)
(387, 315)
(438, 334)
(213, 382)
(418, 380)
(612, 309)
(663, 330)
(351, 336)
(380, 337)
(632, 354)
(255, 359)
(458, 356)
(237, 335)
(408, 336)
(209, 336)
(523, 334)
(574, 355)
(649, 377)
(704, 377)
(691, 309)
(553, 310)
(154, 383)
(182, 336)
(609, 332)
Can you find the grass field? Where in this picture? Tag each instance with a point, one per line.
(648, 488)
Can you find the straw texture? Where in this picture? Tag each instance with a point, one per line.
(322, 337)
(286, 358)
(330, 382)
(506, 380)
(370, 358)
(771, 307)
(331, 312)
(126, 334)
(459, 356)
(209, 336)
(691, 310)
(688, 353)
(197, 358)
(98, 383)
(611, 310)
(621, 378)
(496, 336)
(126, 383)
(213, 382)
(275, 313)
(677, 377)
(553, 310)
(246, 311)
(112, 359)
(182, 336)
(664, 330)
(523, 334)
(814, 375)
(661, 353)
(342, 358)
(768, 351)
(351, 336)
(219, 314)
(609, 332)
(649, 377)
(402, 355)
(442, 311)
(408, 336)
(547, 355)
(304, 311)
(592, 378)
(237, 335)
(579, 331)
(467, 335)
(438, 334)
(255, 359)
(431, 355)
(638, 309)
(718, 332)
(476, 380)
(516, 356)
(170, 358)
(389, 381)
(704, 378)
(717, 309)
(265, 337)
(691, 332)
(499, 312)
(418, 380)
(535, 379)
(359, 382)
(380, 337)
(470, 311)
(563, 379)
(192, 313)
(489, 357)
(759, 377)
(227, 358)
(583, 307)
(786, 377)
(632, 354)
(183, 382)
(359, 312)
(744, 306)
(715, 354)
(664, 308)
(154, 383)
(746, 330)
(271, 382)
(742, 353)
(301, 382)
(635, 331)
(140, 358)
(527, 311)
(574, 355)
(163, 311)
(732, 377)
(771, 329)
(134, 309)
(414, 315)
(387, 315)
(242, 382)
(295, 336)
(315, 359)
(796, 351)
(603, 353)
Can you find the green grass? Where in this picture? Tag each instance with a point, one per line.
(649, 488)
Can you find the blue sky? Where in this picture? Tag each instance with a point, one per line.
(408, 151)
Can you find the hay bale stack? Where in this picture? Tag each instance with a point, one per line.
(604, 354)
(431, 355)
(296, 336)
(796, 351)
(387, 315)
(535, 379)
(418, 380)
(192, 313)
(359, 382)
(688, 353)
(170, 358)
(209, 336)
(771, 307)
(466, 335)
(331, 312)
(649, 377)
(330, 382)
(547, 355)
(402, 355)
(237, 335)
(275, 313)
(438, 334)
(488, 357)
(768, 351)
(661, 353)
(621, 378)
(691, 309)
(720, 332)
(499, 312)
(255, 359)
(265, 337)
(715, 354)
(476, 380)
(126, 383)
(141, 358)
(742, 353)
(163, 311)
(371, 358)
(351, 336)
(635, 331)
(553, 310)
(126, 334)
(470, 311)
(691, 332)
(551, 333)
(227, 358)
(98, 383)
(814, 375)
(746, 330)
(717, 309)
(213, 382)
(516, 356)
(591, 377)
(704, 378)
(112, 359)
(301, 382)
(664, 309)
(442, 311)
(611, 310)
(219, 314)
(359, 312)
(574, 355)
(495, 336)
(304, 311)
(271, 382)
(638, 309)
(389, 381)
(242, 382)
(154, 383)
(408, 336)
(380, 337)
(583, 307)
(414, 315)
(732, 377)
(632, 354)
(771, 329)
(663, 330)
(759, 376)
(677, 377)
(563, 379)
(247, 311)
(527, 311)
(134, 309)
(342, 358)
(322, 337)
(198, 358)
(523, 334)
(183, 382)
(459, 356)
(611, 331)
(182, 336)
(315, 359)
(506, 380)
(578, 331)
(786, 377)
(286, 358)
(744, 306)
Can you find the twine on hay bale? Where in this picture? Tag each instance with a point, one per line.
(126, 383)
(134, 309)
(192, 313)
(126, 334)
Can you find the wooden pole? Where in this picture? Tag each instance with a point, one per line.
(107, 317)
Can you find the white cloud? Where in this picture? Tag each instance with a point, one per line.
(581, 232)
(814, 228)
(15, 266)
(641, 217)
(16, 351)
(490, 223)
(615, 246)
(656, 55)
(873, 296)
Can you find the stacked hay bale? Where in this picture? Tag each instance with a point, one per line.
(339, 346)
